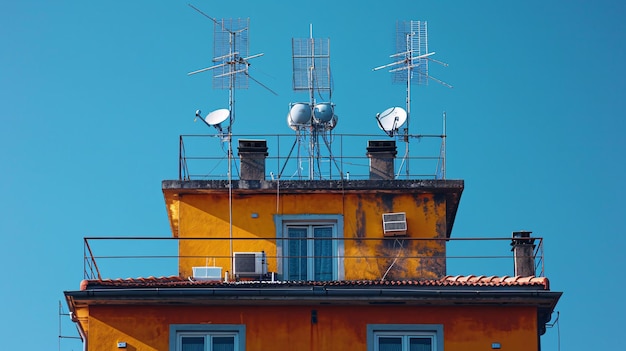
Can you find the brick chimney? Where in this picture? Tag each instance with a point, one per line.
(523, 253)
(252, 154)
(382, 154)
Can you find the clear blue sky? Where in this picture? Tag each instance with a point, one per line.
(94, 95)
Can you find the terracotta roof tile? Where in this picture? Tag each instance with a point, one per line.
(453, 281)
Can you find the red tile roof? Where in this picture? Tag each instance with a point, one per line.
(448, 281)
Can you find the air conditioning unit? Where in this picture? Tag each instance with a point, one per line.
(394, 224)
(250, 263)
(207, 273)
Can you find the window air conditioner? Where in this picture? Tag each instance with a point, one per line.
(394, 224)
(250, 263)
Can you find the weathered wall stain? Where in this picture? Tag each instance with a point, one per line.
(368, 254)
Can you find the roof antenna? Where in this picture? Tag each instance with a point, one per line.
(410, 67)
(313, 120)
(230, 71)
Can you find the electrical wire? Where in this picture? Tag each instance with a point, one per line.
(396, 241)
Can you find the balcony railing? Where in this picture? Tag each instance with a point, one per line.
(301, 156)
(133, 257)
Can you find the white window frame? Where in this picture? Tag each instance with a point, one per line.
(283, 222)
(405, 331)
(179, 331)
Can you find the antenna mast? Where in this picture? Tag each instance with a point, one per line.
(315, 118)
(411, 65)
(230, 71)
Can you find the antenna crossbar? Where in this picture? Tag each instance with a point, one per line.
(408, 53)
(220, 58)
(230, 73)
(388, 65)
(439, 81)
(206, 69)
(404, 68)
(251, 57)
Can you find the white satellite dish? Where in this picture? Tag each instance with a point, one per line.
(299, 114)
(216, 117)
(391, 119)
(323, 112)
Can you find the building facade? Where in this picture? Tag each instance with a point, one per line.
(271, 264)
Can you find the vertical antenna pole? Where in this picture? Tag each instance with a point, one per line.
(409, 72)
(443, 168)
(313, 140)
(230, 199)
(231, 103)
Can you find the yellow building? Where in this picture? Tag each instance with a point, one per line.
(315, 264)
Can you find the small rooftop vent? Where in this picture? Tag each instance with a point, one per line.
(394, 224)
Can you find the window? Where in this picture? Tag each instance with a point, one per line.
(310, 249)
(209, 337)
(405, 337)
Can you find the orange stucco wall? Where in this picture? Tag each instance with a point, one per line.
(207, 215)
(290, 327)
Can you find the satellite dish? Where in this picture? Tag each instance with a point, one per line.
(391, 119)
(323, 112)
(299, 113)
(216, 117)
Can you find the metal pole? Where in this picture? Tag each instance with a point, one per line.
(445, 133)
(313, 137)
(408, 99)
(230, 153)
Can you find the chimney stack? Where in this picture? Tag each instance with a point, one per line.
(252, 154)
(382, 154)
(523, 253)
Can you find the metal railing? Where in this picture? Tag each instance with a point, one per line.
(123, 257)
(296, 157)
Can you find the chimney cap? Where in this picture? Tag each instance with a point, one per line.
(522, 234)
(252, 146)
(522, 237)
(381, 146)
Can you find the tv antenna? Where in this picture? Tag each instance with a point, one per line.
(231, 59)
(315, 118)
(411, 68)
